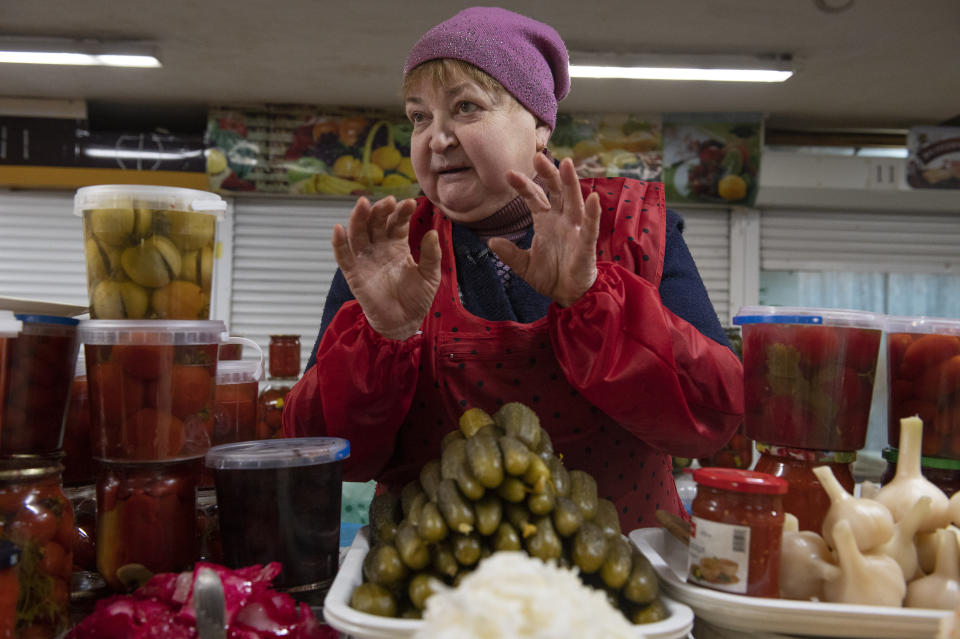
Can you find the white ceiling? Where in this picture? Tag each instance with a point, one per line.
(880, 64)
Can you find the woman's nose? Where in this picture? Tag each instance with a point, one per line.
(443, 136)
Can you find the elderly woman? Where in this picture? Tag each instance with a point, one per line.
(512, 280)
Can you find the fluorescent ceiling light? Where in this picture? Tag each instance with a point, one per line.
(73, 52)
(704, 68)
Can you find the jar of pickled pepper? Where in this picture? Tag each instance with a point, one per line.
(736, 527)
(806, 499)
(36, 516)
(146, 519)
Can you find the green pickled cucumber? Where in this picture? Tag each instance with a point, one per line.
(542, 503)
(374, 599)
(485, 460)
(512, 490)
(559, 477)
(454, 508)
(442, 559)
(488, 513)
(473, 420)
(454, 465)
(416, 505)
(516, 455)
(384, 513)
(589, 548)
(650, 613)
(466, 548)
(607, 518)
(642, 585)
(383, 566)
(537, 475)
(544, 447)
(519, 517)
(583, 492)
(520, 421)
(544, 544)
(413, 550)
(452, 436)
(618, 563)
(430, 478)
(566, 517)
(431, 525)
(506, 537)
(410, 490)
(420, 588)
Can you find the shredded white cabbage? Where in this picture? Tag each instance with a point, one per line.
(514, 596)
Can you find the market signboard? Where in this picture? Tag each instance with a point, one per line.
(933, 157)
(610, 145)
(712, 158)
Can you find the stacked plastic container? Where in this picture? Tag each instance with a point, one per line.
(37, 360)
(808, 385)
(151, 369)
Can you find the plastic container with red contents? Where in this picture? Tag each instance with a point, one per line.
(737, 522)
(923, 374)
(235, 400)
(808, 375)
(806, 498)
(36, 516)
(38, 355)
(151, 385)
(146, 519)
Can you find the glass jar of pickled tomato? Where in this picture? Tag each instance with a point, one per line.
(36, 516)
(943, 472)
(284, 356)
(146, 519)
(736, 527)
(806, 498)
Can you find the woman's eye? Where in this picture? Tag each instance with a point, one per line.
(466, 107)
(415, 117)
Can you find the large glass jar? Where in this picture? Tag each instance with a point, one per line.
(943, 472)
(36, 516)
(146, 519)
(806, 498)
(737, 524)
(284, 356)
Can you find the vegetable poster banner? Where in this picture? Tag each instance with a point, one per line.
(303, 150)
(712, 158)
(610, 145)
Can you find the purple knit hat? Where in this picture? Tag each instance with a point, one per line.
(527, 57)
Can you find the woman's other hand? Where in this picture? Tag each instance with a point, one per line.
(373, 253)
(562, 261)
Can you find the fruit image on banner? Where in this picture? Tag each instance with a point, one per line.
(712, 158)
(610, 145)
(305, 151)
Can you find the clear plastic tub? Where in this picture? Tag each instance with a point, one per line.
(150, 250)
(279, 500)
(38, 355)
(151, 387)
(808, 375)
(923, 375)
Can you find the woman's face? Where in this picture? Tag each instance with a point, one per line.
(465, 138)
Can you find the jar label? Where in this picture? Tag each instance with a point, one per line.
(719, 555)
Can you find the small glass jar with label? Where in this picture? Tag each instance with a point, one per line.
(735, 537)
(284, 356)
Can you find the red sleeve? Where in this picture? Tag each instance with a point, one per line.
(646, 368)
(360, 389)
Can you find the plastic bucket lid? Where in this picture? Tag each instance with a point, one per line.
(175, 332)
(10, 326)
(238, 371)
(109, 196)
(808, 315)
(921, 324)
(278, 453)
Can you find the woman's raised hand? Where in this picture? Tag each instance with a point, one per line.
(562, 261)
(373, 253)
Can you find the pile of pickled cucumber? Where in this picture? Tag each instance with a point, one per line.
(498, 486)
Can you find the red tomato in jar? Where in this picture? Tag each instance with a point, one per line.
(153, 435)
(191, 389)
(897, 344)
(144, 361)
(939, 380)
(34, 522)
(818, 345)
(113, 394)
(861, 349)
(927, 351)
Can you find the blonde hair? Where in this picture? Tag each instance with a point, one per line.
(443, 70)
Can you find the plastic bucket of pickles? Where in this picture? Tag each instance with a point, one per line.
(150, 250)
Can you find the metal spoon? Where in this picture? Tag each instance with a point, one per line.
(209, 605)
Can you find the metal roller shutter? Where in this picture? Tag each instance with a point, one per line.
(707, 234)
